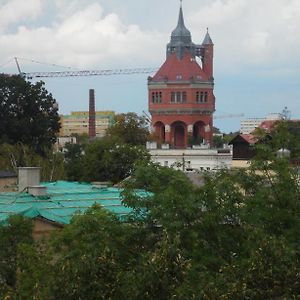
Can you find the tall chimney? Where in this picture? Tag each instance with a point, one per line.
(92, 115)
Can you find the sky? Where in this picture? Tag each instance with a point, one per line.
(257, 46)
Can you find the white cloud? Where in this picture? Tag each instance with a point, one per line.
(255, 32)
(80, 33)
(85, 39)
(14, 11)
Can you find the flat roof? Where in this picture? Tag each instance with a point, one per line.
(7, 174)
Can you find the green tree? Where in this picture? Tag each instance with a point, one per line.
(218, 141)
(236, 237)
(17, 232)
(130, 129)
(74, 155)
(20, 155)
(109, 160)
(226, 230)
(91, 254)
(28, 113)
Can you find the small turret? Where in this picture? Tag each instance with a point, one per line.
(207, 40)
(208, 55)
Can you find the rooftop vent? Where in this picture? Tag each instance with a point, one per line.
(37, 190)
(28, 176)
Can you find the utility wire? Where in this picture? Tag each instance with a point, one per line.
(42, 63)
(1, 66)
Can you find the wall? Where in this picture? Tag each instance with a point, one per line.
(43, 228)
(78, 123)
(196, 159)
(8, 184)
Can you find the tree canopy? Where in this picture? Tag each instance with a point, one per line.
(234, 238)
(106, 159)
(28, 113)
(130, 129)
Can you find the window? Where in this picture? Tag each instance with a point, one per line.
(201, 97)
(179, 77)
(178, 97)
(173, 97)
(156, 97)
(166, 163)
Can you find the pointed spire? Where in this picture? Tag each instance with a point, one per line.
(180, 19)
(207, 40)
(181, 39)
(181, 30)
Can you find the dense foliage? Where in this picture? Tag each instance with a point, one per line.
(130, 129)
(113, 157)
(234, 238)
(106, 159)
(14, 156)
(28, 113)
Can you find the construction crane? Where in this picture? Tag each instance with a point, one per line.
(89, 73)
(32, 75)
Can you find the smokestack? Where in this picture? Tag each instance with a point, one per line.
(92, 115)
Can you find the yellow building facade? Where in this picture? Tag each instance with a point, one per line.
(78, 123)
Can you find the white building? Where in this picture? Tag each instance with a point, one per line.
(249, 125)
(193, 159)
(63, 140)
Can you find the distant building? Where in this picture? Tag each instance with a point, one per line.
(78, 123)
(192, 160)
(182, 102)
(249, 125)
(181, 97)
(62, 141)
(243, 147)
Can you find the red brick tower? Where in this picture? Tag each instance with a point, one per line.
(181, 99)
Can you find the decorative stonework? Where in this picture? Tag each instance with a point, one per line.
(190, 128)
(207, 128)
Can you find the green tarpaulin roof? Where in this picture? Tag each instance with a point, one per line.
(63, 201)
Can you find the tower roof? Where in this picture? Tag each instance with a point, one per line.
(181, 31)
(181, 39)
(187, 68)
(207, 39)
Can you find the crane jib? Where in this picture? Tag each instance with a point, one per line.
(90, 73)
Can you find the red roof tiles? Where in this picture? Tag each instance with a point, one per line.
(186, 68)
(250, 138)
